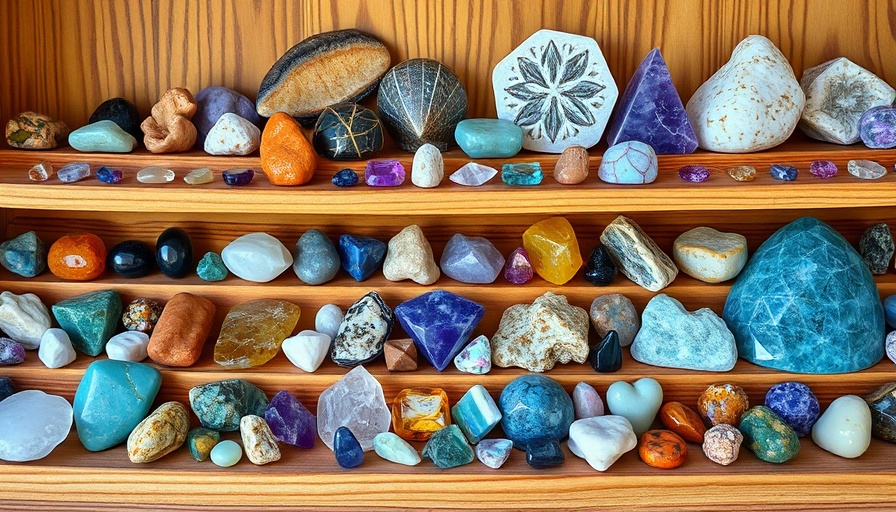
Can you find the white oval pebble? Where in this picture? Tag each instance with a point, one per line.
(32, 424)
(328, 320)
(428, 168)
(307, 350)
(845, 427)
(128, 346)
(232, 135)
(226, 453)
(601, 440)
(56, 349)
(256, 257)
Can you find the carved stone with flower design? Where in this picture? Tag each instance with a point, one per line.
(557, 87)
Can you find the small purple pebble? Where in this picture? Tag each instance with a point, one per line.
(694, 173)
(823, 169)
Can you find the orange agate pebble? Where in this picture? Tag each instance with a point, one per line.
(683, 420)
(662, 449)
(77, 257)
(287, 158)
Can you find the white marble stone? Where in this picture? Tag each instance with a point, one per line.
(232, 135)
(56, 349)
(32, 424)
(24, 318)
(257, 257)
(428, 168)
(844, 428)
(307, 350)
(751, 103)
(128, 346)
(557, 87)
(328, 320)
(709, 255)
(601, 440)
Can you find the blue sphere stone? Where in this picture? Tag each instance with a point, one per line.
(535, 407)
(890, 310)
(347, 448)
(796, 404)
(345, 178)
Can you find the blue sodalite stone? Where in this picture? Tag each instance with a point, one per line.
(489, 138)
(347, 449)
(544, 453)
(112, 398)
(796, 404)
(25, 255)
(345, 178)
(316, 260)
(807, 303)
(783, 172)
(471, 259)
(650, 111)
(522, 174)
(440, 323)
(361, 255)
(7, 388)
(890, 310)
(108, 175)
(535, 407)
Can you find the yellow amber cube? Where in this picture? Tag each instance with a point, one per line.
(417, 413)
(553, 250)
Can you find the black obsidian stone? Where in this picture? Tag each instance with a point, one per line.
(600, 269)
(174, 253)
(420, 102)
(348, 131)
(544, 453)
(131, 258)
(606, 357)
(121, 112)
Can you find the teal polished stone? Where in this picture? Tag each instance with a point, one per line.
(807, 303)
(220, 405)
(522, 174)
(89, 319)
(489, 138)
(25, 255)
(211, 267)
(476, 413)
(768, 436)
(448, 448)
(112, 398)
(102, 137)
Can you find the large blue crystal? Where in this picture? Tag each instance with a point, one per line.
(361, 256)
(440, 323)
(807, 303)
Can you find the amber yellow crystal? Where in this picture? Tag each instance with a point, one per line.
(253, 332)
(417, 413)
(553, 249)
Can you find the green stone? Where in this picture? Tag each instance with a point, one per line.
(201, 441)
(102, 136)
(89, 319)
(525, 174)
(25, 255)
(448, 448)
(211, 267)
(220, 405)
(768, 436)
(489, 138)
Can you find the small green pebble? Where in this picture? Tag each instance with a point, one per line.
(448, 448)
(768, 436)
(211, 267)
(226, 453)
(201, 441)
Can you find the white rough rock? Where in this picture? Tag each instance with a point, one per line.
(232, 135)
(637, 256)
(601, 440)
(24, 318)
(539, 335)
(32, 424)
(307, 350)
(128, 346)
(428, 168)
(328, 319)
(409, 256)
(355, 401)
(258, 440)
(845, 427)
(56, 349)
(256, 257)
(753, 102)
(709, 255)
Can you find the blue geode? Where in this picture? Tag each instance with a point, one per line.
(535, 408)
(440, 323)
(807, 303)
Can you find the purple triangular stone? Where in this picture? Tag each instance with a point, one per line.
(440, 323)
(650, 111)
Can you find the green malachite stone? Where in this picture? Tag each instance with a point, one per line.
(89, 319)
(766, 434)
(211, 267)
(220, 405)
(523, 174)
(448, 448)
(201, 441)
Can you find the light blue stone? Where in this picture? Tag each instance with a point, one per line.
(890, 310)
(25, 255)
(672, 337)
(226, 453)
(489, 138)
(112, 398)
(395, 449)
(476, 413)
(316, 260)
(807, 303)
(535, 407)
(471, 259)
(628, 163)
(523, 174)
(103, 137)
(494, 452)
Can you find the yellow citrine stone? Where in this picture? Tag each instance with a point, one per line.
(417, 413)
(253, 332)
(553, 249)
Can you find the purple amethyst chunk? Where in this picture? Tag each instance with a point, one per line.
(694, 173)
(290, 421)
(384, 173)
(823, 169)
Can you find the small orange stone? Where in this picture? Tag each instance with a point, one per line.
(287, 157)
(682, 420)
(418, 413)
(662, 449)
(77, 257)
(723, 403)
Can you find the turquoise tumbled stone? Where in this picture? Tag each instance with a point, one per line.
(535, 407)
(476, 413)
(447, 448)
(211, 267)
(220, 405)
(807, 303)
(489, 138)
(25, 255)
(112, 398)
(89, 319)
(102, 136)
(523, 174)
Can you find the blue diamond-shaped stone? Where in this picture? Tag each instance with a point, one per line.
(807, 303)
(440, 323)
(361, 255)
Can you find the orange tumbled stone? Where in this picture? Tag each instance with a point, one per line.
(723, 403)
(418, 413)
(287, 158)
(77, 257)
(662, 449)
(683, 420)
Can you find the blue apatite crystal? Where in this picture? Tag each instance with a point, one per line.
(345, 178)
(489, 138)
(890, 310)
(535, 407)
(650, 111)
(544, 453)
(25, 255)
(783, 172)
(796, 404)
(108, 175)
(347, 448)
(361, 256)
(471, 259)
(476, 413)
(440, 323)
(112, 398)
(807, 303)
(522, 174)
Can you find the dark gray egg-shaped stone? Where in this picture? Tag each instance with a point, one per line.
(325, 69)
(420, 102)
(348, 131)
(121, 112)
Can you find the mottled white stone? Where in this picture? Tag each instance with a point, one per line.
(257, 257)
(355, 401)
(751, 103)
(709, 255)
(557, 87)
(307, 350)
(428, 168)
(128, 346)
(409, 256)
(24, 318)
(232, 135)
(637, 256)
(601, 440)
(844, 428)
(328, 320)
(32, 424)
(56, 349)
(258, 440)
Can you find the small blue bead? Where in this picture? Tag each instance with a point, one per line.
(108, 175)
(345, 178)
(783, 172)
(347, 448)
(238, 177)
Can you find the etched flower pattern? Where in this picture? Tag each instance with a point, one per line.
(552, 92)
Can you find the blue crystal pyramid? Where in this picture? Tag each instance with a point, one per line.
(440, 323)
(361, 256)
